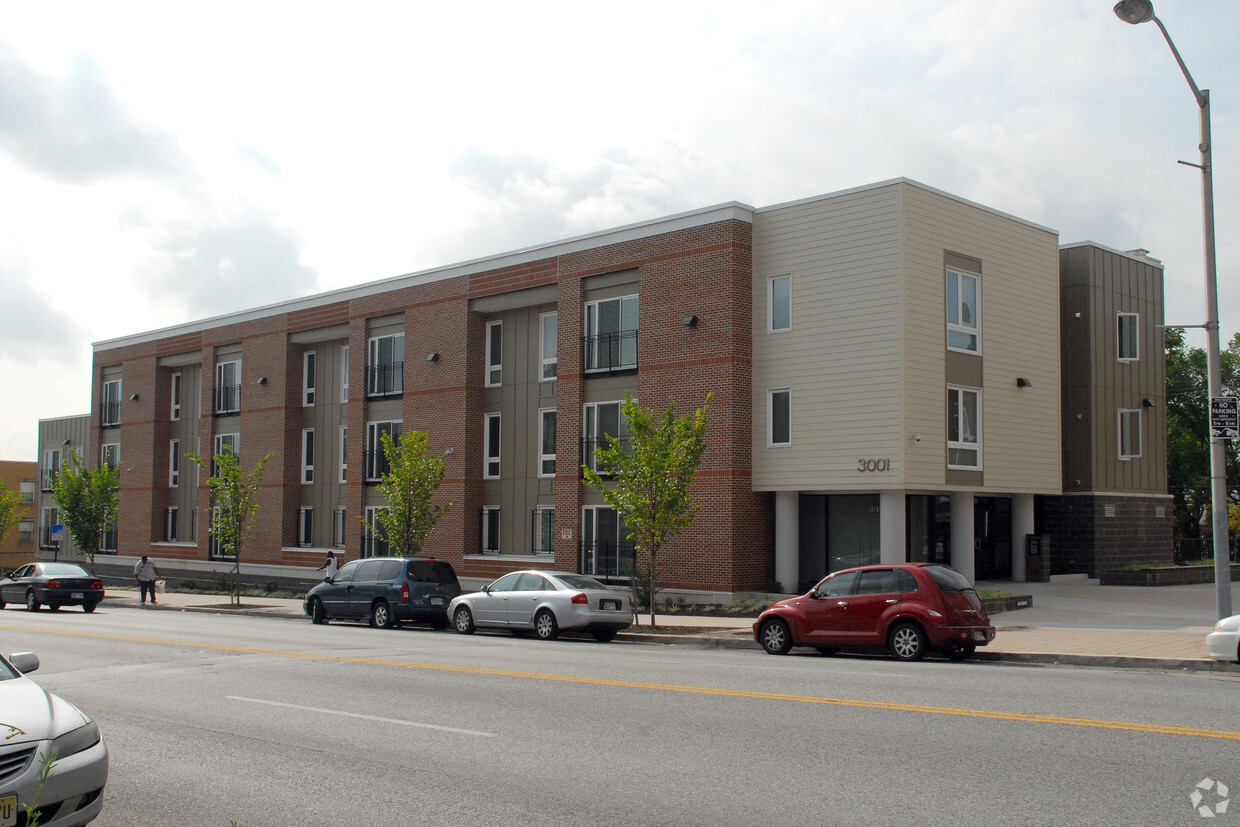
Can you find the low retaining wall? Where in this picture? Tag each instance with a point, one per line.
(1164, 576)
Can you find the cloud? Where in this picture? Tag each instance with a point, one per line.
(32, 329)
(74, 130)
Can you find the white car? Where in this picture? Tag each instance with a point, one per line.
(36, 725)
(547, 602)
(1224, 641)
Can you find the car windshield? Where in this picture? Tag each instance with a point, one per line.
(579, 581)
(949, 580)
(7, 673)
(64, 570)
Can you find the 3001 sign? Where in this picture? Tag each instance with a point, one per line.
(874, 464)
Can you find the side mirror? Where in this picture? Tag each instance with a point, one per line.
(24, 662)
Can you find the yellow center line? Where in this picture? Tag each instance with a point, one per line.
(1162, 729)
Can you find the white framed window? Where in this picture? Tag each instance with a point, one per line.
(307, 455)
(1127, 339)
(779, 417)
(546, 442)
(171, 518)
(176, 396)
(495, 354)
(344, 453)
(309, 360)
(174, 463)
(339, 523)
(605, 549)
(376, 460)
(230, 443)
(964, 428)
(548, 345)
(490, 529)
(344, 374)
(110, 405)
(963, 317)
(779, 304)
(611, 334)
(491, 425)
(228, 387)
(110, 455)
(375, 542)
(305, 526)
(600, 420)
(1129, 434)
(544, 529)
(386, 369)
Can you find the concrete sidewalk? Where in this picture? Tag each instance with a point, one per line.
(1072, 621)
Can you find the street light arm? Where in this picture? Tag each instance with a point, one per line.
(1197, 93)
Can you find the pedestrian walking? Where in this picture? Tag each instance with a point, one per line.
(145, 572)
(330, 564)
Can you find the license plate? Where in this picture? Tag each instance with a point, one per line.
(8, 811)
(608, 604)
(436, 601)
(76, 596)
(979, 635)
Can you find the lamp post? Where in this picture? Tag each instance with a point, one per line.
(1142, 11)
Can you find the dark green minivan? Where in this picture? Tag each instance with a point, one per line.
(387, 591)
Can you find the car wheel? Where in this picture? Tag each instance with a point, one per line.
(775, 637)
(827, 650)
(907, 642)
(317, 613)
(463, 620)
(89, 607)
(381, 616)
(545, 626)
(605, 635)
(31, 604)
(961, 652)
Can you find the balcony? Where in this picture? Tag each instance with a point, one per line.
(109, 414)
(609, 352)
(608, 560)
(387, 379)
(226, 399)
(47, 476)
(589, 446)
(377, 465)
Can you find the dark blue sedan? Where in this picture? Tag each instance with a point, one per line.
(52, 585)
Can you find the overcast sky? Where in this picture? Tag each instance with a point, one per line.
(166, 162)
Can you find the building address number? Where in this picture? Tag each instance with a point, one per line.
(880, 464)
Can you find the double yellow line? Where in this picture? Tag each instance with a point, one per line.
(1161, 729)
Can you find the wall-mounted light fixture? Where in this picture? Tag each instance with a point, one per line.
(1022, 382)
(133, 398)
(449, 451)
(916, 437)
(262, 380)
(1147, 402)
(433, 356)
(689, 321)
(66, 442)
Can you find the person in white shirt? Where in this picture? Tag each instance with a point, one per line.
(330, 564)
(145, 572)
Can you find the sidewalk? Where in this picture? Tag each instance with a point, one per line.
(1073, 621)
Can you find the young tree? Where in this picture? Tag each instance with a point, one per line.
(9, 514)
(89, 501)
(651, 480)
(234, 501)
(415, 473)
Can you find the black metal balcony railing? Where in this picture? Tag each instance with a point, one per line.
(609, 351)
(227, 399)
(608, 560)
(589, 457)
(376, 463)
(47, 476)
(109, 414)
(387, 379)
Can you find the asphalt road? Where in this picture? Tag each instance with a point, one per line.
(213, 719)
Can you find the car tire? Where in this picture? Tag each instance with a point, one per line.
(827, 650)
(545, 626)
(775, 637)
(961, 652)
(32, 605)
(463, 620)
(605, 635)
(89, 607)
(381, 616)
(907, 641)
(317, 613)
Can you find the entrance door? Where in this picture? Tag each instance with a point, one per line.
(992, 538)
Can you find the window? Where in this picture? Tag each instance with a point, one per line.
(174, 463)
(171, 516)
(544, 530)
(605, 551)
(305, 526)
(546, 442)
(339, 522)
(230, 443)
(376, 460)
(344, 374)
(962, 310)
(344, 452)
(779, 417)
(47, 537)
(110, 455)
(495, 353)
(490, 529)
(385, 374)
(548, 344)
(27, 491)
(375, 543)
(779, 302)
(601, 420)
(51, 467)
(110, 405)
(25, 531)
(176, 396)
(964, 428)
(1129, 434)
(228, 387)
(1126, 341)
(490, 469)
(611, 334)
(307, 455)
(307, 381)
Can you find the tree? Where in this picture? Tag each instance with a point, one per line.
(651, 480)
(89, 501)
(408, 486)
(234, 501)
(1188, 428)
(9, 515)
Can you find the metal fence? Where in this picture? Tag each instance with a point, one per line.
(1191, 549)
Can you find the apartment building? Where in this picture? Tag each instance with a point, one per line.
(18, 545)
(886, 362)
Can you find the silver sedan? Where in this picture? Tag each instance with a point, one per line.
(1224, 641)
(547, 602)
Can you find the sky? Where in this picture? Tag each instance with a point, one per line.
(167, 162)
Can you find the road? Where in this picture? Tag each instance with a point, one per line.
(212, 719)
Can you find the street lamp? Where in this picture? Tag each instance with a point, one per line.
(1142, 11)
